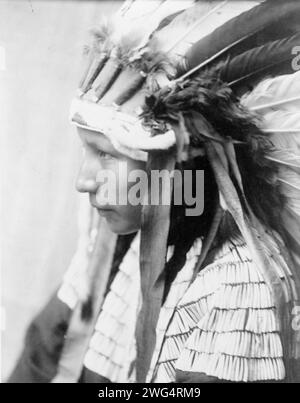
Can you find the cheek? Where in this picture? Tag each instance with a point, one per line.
(131, 214)
(126, 169)
(126, 219)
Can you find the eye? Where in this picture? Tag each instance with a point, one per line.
(104, 156)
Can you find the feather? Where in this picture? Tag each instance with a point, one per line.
(185, 25)
(291, 180)
(272, 100)
(105, 79)
(281, 120)
(280, 117)
(96, 65)
(286, 157)
(132, 27)
(193, 24)
(130, 89)
(127, 31)
(257, 63)
(96, 54)
(293, 230)
(246, 58)
(156, 55)
(166, 21)
(273, 92)
(142, 18)
(286, 150)
(249, 29)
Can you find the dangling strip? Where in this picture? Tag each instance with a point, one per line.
(209, 240)
(154, 235)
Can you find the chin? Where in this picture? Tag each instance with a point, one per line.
(122, 228)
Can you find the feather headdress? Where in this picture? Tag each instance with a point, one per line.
(186, 64)
(238, 139)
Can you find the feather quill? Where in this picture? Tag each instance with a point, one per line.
(286, 157)
(281, 120)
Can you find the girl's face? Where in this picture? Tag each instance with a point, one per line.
(100, 156)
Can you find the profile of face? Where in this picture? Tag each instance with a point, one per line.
(99, 155)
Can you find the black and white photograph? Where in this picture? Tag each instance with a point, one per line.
(150, 194)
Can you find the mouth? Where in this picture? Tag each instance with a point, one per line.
(102, 210)
(97, 207)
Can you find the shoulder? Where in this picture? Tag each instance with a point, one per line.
(226, 323)
(237, 336)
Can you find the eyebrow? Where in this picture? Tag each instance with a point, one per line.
(106, 146)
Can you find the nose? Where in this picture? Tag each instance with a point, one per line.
(86, 179)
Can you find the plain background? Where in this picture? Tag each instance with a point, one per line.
(40, 153)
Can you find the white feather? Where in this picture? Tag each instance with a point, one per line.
(286, 157)
(284, 129)
(281, 119)
(197, 22)
(282, 91)
(139, 18)
(277, 103)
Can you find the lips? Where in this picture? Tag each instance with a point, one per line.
(104, 211)
(100, 208)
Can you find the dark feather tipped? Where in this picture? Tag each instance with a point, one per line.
(266, 22)
(257, 63)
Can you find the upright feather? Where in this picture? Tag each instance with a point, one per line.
(249, 29)
(277, 103)
(259, 62)
(194, 23)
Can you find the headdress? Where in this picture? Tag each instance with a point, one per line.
(175, 77)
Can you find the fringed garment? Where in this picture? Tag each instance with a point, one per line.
(222, 324)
